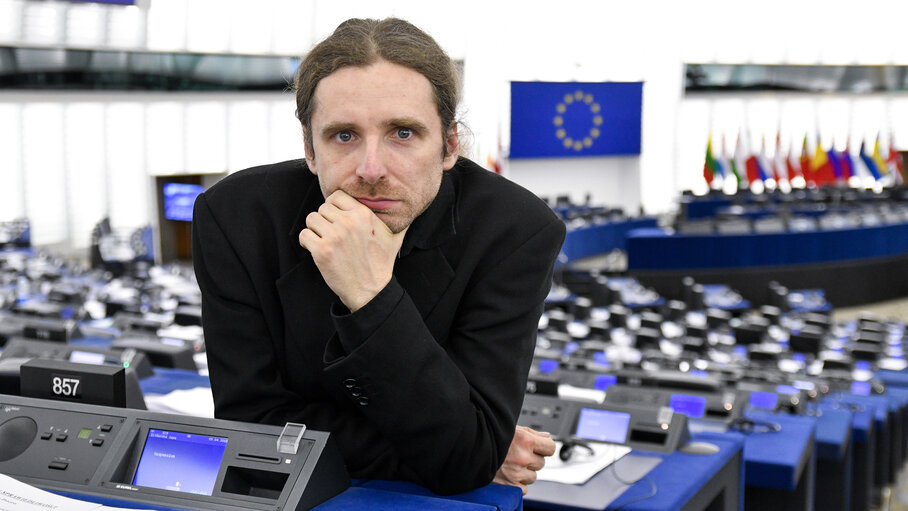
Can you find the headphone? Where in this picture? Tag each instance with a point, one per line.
(569, 446)
(745, 425)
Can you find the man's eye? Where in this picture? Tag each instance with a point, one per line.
(344, 136)
(404, 133)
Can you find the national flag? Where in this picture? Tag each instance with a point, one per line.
(869, 162)
(710, 166)
(737, 162)
(847, 163)
(821, 170)
(878, 157)
(805, 159)
(781, 162)
(836, 162)
(894, 162)
(568, 119)
(765, 165)
(754, 172)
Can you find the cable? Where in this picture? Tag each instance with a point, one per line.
(652, 484)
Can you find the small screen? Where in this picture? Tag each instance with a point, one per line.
(604, 381)
(86, 357)
(860, 388)
(766, 400)
(692, 406)
(603, 425)
(179, 199)
(789, 390)
(180, 462)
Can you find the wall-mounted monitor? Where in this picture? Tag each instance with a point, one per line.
(179, 199)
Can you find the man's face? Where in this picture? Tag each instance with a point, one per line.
(377, 135)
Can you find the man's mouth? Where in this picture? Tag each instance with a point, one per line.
(377, 204)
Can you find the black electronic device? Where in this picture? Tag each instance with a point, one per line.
(722, 406)
(647, 428)
(130, 359)
(188, 315)
(70, 381)
(171, 353)
(33, 327)
(808, 339)
(156, 459)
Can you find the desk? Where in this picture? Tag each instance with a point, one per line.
(683, 481)
(382, 496)
(780, 467)
(834, 459)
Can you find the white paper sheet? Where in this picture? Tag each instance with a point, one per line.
(18, 496)
(581, 466)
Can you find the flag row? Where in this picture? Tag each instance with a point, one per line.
(817, 167)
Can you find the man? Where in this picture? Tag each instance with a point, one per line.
(383, 289)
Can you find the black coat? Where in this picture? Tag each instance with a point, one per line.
(425, 382)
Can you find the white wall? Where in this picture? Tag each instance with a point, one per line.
(582, 40)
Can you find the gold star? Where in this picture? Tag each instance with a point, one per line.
(578, 95)
(597, 120)
(560, 133)
(558, 120)
(578, 145)
(595, 108)
(568, 99)
(561, 108)
(568, 142)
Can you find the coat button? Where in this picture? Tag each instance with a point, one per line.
(356, 392)
(363, 401)
(349, 383)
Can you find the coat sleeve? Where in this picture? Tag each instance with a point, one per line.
(449, 406)
(246, 373)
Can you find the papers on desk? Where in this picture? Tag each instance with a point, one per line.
(197, 402)
(581, 466)
(18, 496)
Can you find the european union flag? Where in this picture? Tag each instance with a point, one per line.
(565, 119)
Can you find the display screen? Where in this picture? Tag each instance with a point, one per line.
(603, 425)
(179, 199)
(692, 406)
(180, 462)
(860, 388)
(766, 400)
(86, 357)
(787, 389)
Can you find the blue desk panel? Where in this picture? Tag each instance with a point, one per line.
(680, 476)
(681, 480)
(599, 239)
(656, 249)
(835, 459)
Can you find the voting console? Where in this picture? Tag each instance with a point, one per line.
(166, 460)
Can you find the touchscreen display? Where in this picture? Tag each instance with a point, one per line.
(180, 462)
(692, 406)
(603, 425)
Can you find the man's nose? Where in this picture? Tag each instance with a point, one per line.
(372, 168)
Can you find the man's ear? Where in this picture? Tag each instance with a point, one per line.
(310, 154)
(452, 148)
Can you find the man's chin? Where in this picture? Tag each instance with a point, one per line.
(394, 222)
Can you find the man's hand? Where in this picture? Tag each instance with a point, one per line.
(526, 456)
(353, 249)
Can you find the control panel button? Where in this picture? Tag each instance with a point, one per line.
(97, 442)
(106, 428)
(61, 437)
(58, 465)
(46, 435)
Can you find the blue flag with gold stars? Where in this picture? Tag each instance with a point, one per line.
(568, 119)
